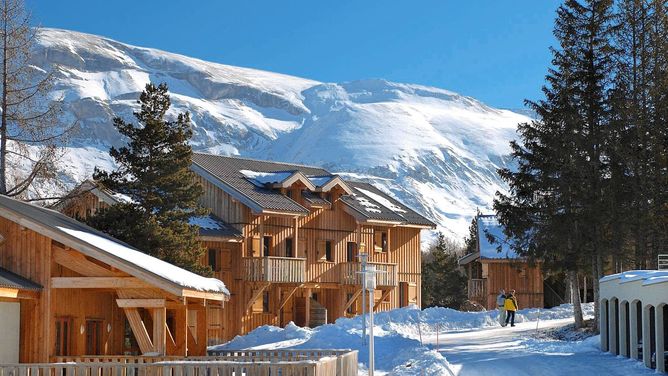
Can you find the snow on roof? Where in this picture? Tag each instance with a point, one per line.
(156, 266)
(649, 277)
(121, 198)
(263, 178)
(319, 181)
(368, 205)
(206, 222)
(382, 200)
(489, 225)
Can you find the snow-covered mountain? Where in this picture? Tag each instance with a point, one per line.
(433, 149)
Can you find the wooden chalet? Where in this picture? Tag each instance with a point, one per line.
(489, 269)
(290, 239)
(69, 290)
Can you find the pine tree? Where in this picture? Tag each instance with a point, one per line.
(557, 209)
(443, 284)
(154, 172)
(471, 241)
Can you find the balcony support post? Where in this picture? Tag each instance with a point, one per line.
(295, 235)
(307, 308)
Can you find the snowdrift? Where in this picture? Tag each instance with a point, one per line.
(398, 332)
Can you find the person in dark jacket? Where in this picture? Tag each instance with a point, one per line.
(511, 306)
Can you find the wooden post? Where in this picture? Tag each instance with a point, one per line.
(307, 308)
(295, 241)
(159, 330)
(261, 231)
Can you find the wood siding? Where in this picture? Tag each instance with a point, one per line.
(527, 281)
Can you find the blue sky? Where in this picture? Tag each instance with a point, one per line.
(495, 51)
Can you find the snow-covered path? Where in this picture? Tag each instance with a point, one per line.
(516, 351)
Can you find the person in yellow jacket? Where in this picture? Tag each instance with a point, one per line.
(510, 305)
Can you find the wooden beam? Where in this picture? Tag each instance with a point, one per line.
(384, 296)
(6, 292)
(139, 330)
(77, 262)
(218, 296)
(254, 295)
(141, 303)
(352, 300)
(98, 283)
(285, 299)
(159, 316)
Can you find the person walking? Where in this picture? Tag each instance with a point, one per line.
(500, 303)
(510, 304)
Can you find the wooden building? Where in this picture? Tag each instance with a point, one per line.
(489, 269)
(67, 289)
(291, 240)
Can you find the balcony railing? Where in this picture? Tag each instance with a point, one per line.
(387, 277)
(274, 269)
(476, 289)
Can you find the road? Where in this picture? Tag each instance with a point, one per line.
(517, 351)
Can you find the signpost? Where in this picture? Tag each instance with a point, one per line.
(368, 285)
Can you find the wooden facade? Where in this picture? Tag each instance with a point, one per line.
(91, 303)
(299, 267)
(495, 266)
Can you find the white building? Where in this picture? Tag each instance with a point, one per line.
(634, 315)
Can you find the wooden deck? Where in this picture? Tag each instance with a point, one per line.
(350, 273)
(274, 269)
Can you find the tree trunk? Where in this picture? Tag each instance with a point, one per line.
(575, 294)
(3, 106)
(597, 273)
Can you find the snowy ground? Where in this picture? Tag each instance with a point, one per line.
(469, 343)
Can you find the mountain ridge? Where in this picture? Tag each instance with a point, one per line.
(431, 148)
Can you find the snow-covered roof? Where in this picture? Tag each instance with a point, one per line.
(648, 277)
(262, 178)
(489, 226)
(105, 248)
(210, 225)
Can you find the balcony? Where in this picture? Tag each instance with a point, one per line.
(274, 269)
(350, 273)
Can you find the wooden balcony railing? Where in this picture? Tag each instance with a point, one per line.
(477, 289)
(350, 273)
(274, 269)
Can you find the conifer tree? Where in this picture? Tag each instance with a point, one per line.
(154, 172)
(443, 284)
(557, 208)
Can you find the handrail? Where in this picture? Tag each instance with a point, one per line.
(274, 269)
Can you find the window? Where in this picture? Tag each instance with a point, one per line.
(93, 337)
(63, 335)
(267, 246)
(325, 250)
(328, 251)
(380, 241)
(314, 296)
(351, 251)
(289, 248)
(213, 260)
(265, 302)
(289, 193)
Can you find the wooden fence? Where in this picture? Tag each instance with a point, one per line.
(218, 363)
(274, 269)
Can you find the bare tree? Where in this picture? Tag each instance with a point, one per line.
(30, 131)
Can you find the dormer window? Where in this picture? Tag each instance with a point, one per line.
(289, 193)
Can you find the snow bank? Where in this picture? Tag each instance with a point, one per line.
(398, 348)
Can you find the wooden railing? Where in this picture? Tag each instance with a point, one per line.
(218, 363)
(387, 277)
(322, 367)
(274, 269)
(477, 289)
